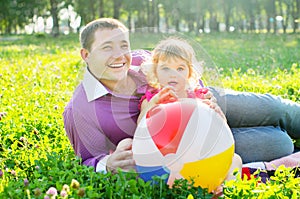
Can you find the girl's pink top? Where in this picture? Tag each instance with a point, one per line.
(196, 93)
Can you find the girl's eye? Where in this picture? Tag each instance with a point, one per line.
(165, 68)
(180, 69)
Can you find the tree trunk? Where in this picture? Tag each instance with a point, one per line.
(129, 21)
(285, 20)
(117, 6)
(274, 17)
(148, 16)
(198, 17)
(198, 25)
(157, 17)
(296, 15)
(54, 14)
(167, 23)
(202, 26)
(177, 25)
(101, 10)
(213, 23)
(268, 24)
(252, 23)
(157, 22)
(227, 10)
(227, 22)
(176, 16)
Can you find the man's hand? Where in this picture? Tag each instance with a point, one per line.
(121, 158)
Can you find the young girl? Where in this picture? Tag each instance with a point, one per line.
(172, 77)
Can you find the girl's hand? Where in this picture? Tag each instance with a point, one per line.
(121, 158)
(204, 93)
(200, 92)
(215, 106)
(166, 95)
(209, 99)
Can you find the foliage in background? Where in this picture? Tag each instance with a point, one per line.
(155, 15)
(39, 74)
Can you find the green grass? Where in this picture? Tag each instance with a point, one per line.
(38, 75)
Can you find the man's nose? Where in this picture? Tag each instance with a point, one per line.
(118, 52)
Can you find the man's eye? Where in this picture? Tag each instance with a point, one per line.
(125, 46)
(107, 47)
(165, 68)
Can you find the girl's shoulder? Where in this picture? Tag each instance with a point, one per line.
(150, 92)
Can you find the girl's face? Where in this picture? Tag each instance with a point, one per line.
(173, 72)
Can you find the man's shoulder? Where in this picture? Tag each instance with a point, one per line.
(78, 98)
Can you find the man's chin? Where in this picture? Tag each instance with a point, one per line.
(118, 76)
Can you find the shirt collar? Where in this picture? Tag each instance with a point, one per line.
(93, 87)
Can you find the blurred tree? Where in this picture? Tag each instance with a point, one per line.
(87, 9)
(117, 5)
(132, 7)
(16, 14)
(296, 15)
(101, 8)
(188, 13)
(168, 8)
(227, 5)
(249, 7)
(194, 15)
(55, 6)
(285, 14)
(269, 7)
(139, 9)
(214, 10)
(54, 9)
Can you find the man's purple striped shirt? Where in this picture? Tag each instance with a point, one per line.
(96, 120)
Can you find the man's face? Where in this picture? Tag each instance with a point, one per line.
(109, 57)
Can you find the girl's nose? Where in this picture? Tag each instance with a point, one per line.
(173, 73)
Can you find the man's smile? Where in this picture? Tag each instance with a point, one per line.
(119, 65)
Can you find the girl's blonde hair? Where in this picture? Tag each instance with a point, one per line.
(172, 48)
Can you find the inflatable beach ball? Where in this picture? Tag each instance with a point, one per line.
(184, 139)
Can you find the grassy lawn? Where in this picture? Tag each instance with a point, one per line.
(39, 74)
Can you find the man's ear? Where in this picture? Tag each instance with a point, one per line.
(84, 53)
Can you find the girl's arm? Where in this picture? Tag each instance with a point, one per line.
(164, 96)
(145, 107)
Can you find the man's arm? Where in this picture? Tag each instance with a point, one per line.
(87, 141)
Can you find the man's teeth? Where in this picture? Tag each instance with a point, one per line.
(116, 65)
